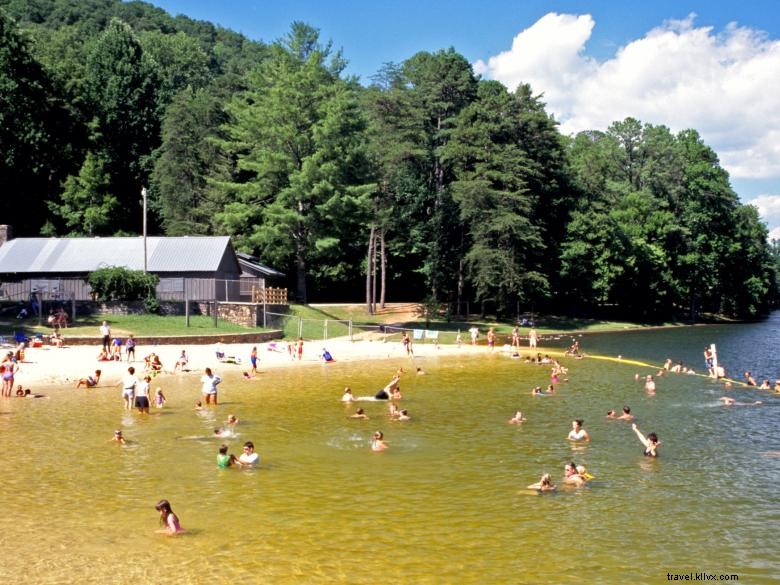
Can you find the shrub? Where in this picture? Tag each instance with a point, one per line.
(117, 283)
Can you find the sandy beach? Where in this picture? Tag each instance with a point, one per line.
(49, 368)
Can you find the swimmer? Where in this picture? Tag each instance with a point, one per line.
(649, 384)
(571, 476)
(517, 419)
(626, 414)
(89, 381)
(219, 432)
(420, 372)
(20, 392)
(225, 460)
(404, 415)
(727, 401)
(611, 414)
(396, 394)
(159, 398)
(231, 420)
(347, 396)
(577, 433)
(361, 414)
(537, 391)
(198, 405)
(650, 442)
(749, 380)
(545, 484)
(764, 385)
(777, 386)
(378, 441)
(168, 519)
(249, 458)
(118, 438)
(394, 412)
(550, 389)
(584, 473)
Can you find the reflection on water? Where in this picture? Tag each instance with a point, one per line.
(446, 503)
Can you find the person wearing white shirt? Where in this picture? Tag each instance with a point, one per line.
(249, 457)
(209, 389)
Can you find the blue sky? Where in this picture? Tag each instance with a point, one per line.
(709, 65)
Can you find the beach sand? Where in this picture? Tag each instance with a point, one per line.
(48, 368)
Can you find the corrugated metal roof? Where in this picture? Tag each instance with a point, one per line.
(247, 260)
(63, 255)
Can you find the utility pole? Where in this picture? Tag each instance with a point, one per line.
(144, 193)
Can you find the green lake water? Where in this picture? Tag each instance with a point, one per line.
(445, 504)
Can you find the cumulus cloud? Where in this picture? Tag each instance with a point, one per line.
(768, 206)
(723, 84)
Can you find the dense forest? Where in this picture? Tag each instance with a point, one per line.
(425, 183)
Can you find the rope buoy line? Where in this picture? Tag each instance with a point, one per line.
(641, 364)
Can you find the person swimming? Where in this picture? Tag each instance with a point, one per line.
(404, 415)
(626, 414)
(545, 484)
(347, 396)
(577, 433)
(650, 442)
(360, 414)
(517, 419)
(378, 441)
(571, 476)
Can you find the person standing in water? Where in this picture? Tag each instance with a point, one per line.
(577, 433)
(650, 442)
(209, 389)
(168, 519)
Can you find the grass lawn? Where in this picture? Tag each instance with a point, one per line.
(123, 325)
(310, 322)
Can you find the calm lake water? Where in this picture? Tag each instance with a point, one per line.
(445, 504)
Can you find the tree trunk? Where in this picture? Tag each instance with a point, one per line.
(373, 270)
(369, 269)
(383, 268)
(301, 269)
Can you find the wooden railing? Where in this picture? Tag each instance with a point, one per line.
(270, 296)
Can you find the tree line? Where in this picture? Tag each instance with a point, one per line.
(426, 183)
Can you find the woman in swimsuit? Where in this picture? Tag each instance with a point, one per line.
(577, 433)
(572, 476)
(650, 442)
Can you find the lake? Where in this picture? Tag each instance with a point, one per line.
(446, 503)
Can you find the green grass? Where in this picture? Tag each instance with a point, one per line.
(140, 325)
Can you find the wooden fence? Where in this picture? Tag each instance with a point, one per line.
(270, 296)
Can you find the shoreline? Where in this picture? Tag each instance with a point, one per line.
(52, 369)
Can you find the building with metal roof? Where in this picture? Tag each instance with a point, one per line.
(193, 267)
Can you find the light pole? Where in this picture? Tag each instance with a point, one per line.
(144, 193)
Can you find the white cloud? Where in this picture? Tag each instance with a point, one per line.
(723, 84)
(768, 206)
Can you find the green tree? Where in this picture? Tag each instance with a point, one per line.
(35, 128)
(87, 205)
(120, 84)
(188, 163)
(300, 186)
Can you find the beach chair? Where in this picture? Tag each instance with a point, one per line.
(417, 334)
(434, 335)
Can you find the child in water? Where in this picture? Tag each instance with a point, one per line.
(545, 484)
(168, 519)
(159, 398)
(378, 441)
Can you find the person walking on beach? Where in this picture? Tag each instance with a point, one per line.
(474, 332)
(532, 338)
(516, 337)
(407, 342)
(209, 390)
(105, 333)
(130, 347)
